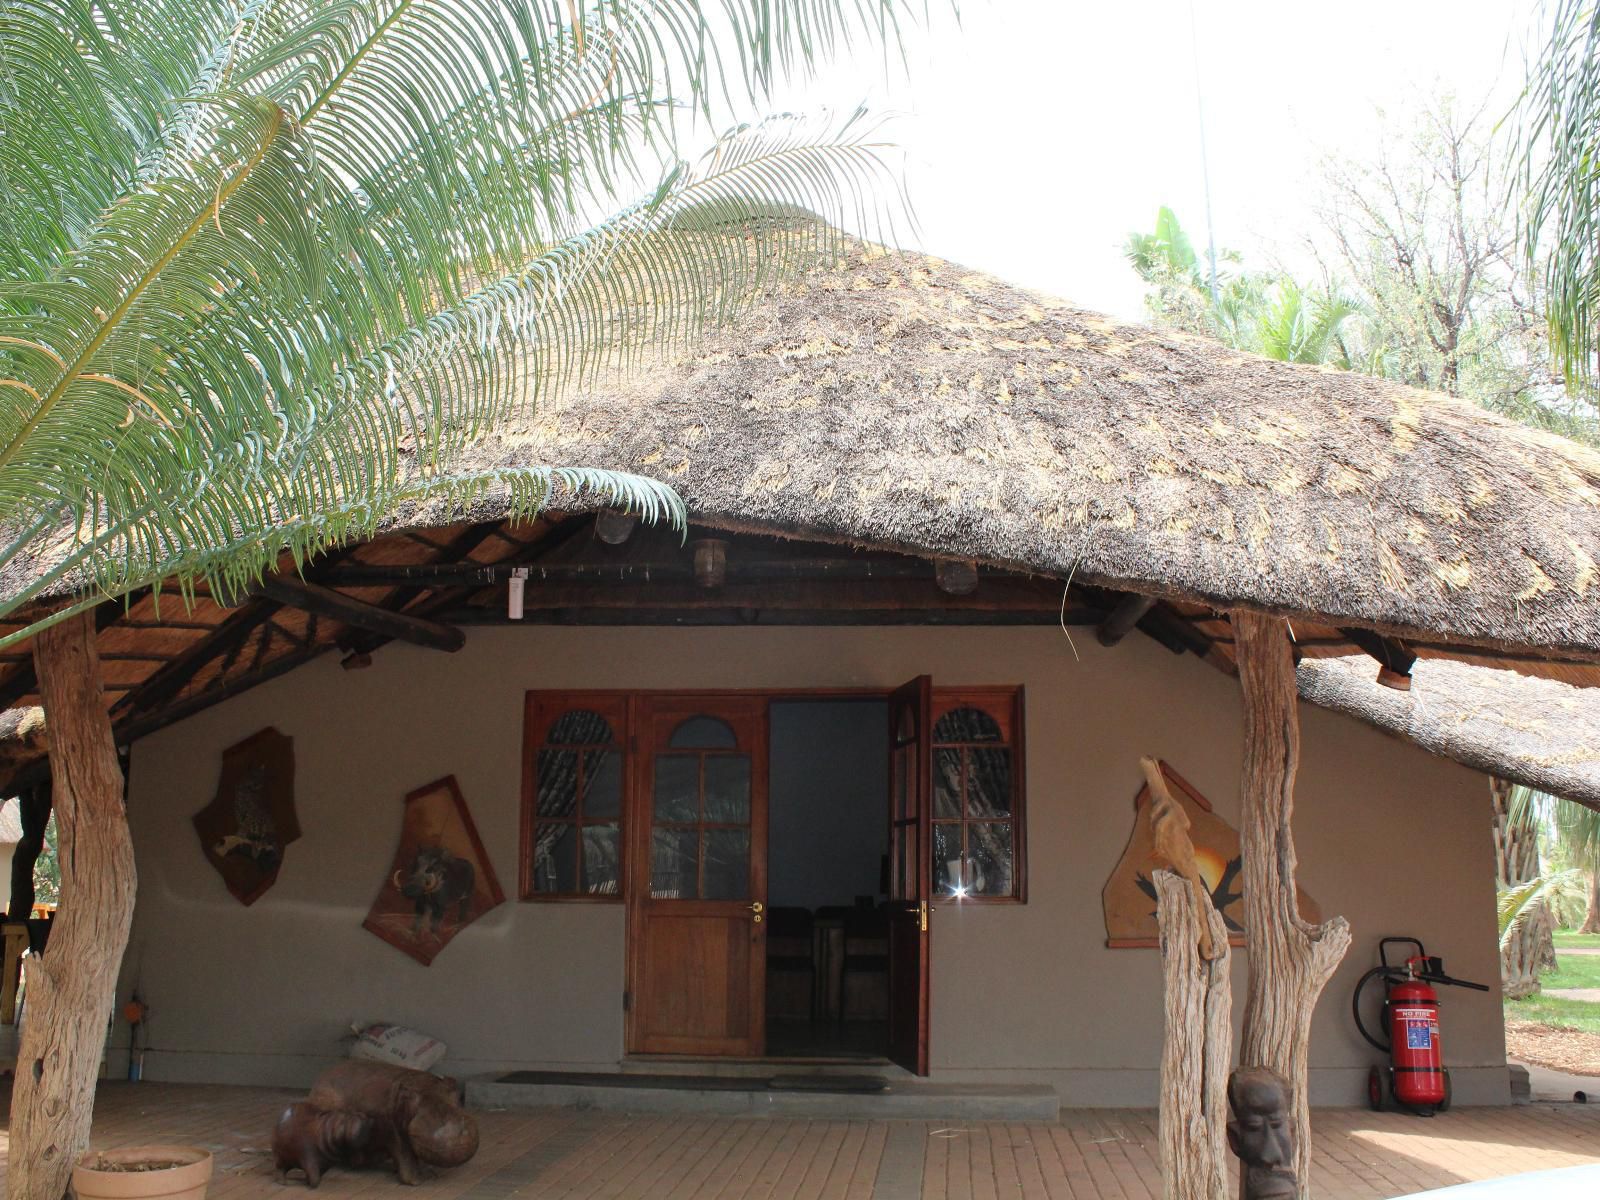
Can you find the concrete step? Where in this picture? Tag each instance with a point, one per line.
(750, 1096)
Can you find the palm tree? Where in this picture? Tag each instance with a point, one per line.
(1576, 829)
(1265, 313)
(1559, 142)
(268, 266)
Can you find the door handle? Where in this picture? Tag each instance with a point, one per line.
(758, 908)
(922, 915)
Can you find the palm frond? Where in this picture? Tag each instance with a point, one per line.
(691, 254)
(292, 256)
(1516, 904)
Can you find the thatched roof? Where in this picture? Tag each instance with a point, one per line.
(900, 403)
(1533, 731)
(905, 401)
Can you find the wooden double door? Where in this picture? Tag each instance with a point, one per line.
(697, 875)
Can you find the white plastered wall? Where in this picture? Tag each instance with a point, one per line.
(1394, 839)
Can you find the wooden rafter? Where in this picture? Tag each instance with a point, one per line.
(314, 598)
(1130, 610)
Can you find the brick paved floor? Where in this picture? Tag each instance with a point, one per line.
(1090, 1154)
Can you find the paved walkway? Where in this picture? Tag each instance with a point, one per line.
(1090, 1154)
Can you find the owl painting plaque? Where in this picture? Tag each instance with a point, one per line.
(244, 830)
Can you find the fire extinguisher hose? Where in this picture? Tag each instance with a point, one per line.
(1355, 1008)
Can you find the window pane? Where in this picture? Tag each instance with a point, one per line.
(905, 729)
(558, 783)
(602, 861)
(704, 733)
(580, 727)
(947, 782)
(727, 864)
(946, 858)
(989, 858)
(677, 792)
(967, 725)
(903, 765)
(555, 859)
(988, 782)
(602, 782)
(672, 865)
(728, 788)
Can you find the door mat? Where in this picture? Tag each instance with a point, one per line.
(849, 1084)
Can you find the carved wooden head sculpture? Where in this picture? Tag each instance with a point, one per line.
(1260, 1133)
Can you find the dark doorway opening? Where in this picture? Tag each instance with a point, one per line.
(827, 992)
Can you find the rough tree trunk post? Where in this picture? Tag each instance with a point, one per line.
(1196, 1045)
(70, 989)
(1531, 947)
(1591, 915)
(1290, 959)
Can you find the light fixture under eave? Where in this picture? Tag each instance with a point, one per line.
(956, 576)
(613, 527)
(710, 562)
(514, 590)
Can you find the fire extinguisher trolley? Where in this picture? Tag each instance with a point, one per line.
(1415, 1077)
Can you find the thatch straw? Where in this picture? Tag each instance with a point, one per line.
(1532, 731)
(906, 402)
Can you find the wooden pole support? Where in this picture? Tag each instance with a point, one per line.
(1196, 1043)
(1290, 959)
(71, 987)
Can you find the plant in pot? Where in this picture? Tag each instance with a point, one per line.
(143, 1173)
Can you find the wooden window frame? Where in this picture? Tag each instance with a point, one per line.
(1005, 705)
(541, 709)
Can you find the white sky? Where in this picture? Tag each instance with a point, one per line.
(1039, 133)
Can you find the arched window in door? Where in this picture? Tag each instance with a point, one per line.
(700, 814)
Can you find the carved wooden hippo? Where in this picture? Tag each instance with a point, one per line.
(419, 1116)
(312, 1139)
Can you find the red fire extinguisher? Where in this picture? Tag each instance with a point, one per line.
(1415, 1078)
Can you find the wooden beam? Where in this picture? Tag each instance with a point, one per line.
(436, 575)
(1394, 659)
(843, 596)
(361, 644)
(314, 598)
(168, 681)
(727, 615)
(1130, 610)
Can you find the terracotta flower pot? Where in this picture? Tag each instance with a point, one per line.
(143, 1173)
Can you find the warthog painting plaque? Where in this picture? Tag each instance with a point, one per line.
(244, 830)
(441, 880)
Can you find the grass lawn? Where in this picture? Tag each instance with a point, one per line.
(1566, 937)
(1573, 971)
(1548, 1010)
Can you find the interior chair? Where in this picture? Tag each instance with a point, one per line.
(791, 966)
(865, 983)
